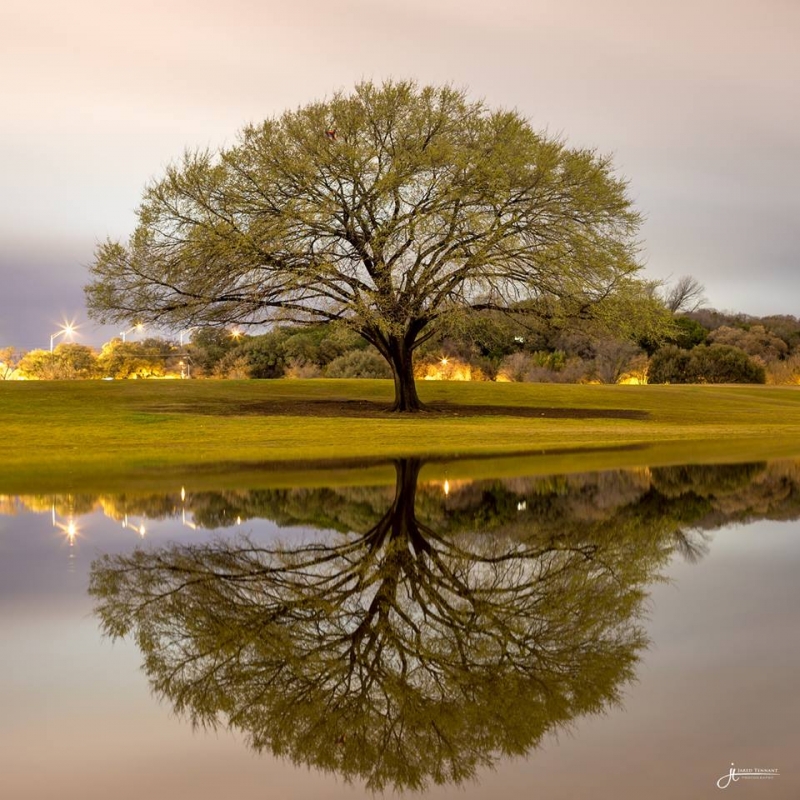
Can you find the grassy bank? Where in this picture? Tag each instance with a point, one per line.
(60, 436)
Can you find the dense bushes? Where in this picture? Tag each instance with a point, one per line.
(359, 364)
(716, 363)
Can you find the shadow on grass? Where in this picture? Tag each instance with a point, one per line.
(366, 409)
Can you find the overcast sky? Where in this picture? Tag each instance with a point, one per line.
(697, 100)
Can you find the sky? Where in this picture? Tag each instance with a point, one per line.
(696, 100)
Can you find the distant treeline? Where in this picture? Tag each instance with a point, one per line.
(658, 346)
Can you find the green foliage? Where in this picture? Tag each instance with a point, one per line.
(688, 333)
(207, 348)
(66, 362)
(265, 354)
(359, 364)
(418, 636)
(9, 359)
(396, 654)
(387, 207)
(149, 358)
(704, 364)
(755, 341)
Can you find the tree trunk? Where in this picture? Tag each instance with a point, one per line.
(405, 390)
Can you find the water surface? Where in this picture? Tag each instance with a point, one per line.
(617, 634)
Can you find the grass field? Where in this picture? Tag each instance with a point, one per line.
(60, 436)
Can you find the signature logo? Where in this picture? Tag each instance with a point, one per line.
(748, 773)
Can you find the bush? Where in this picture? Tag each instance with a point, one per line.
(715, 364)
(359, 364)
(688, 333)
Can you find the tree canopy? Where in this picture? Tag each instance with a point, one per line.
(387, 207)
(399, 655)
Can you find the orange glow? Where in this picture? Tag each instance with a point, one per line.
(446, 488)
(447, 369)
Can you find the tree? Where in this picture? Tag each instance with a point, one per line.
(399, 655)
(149, 358)
(9, 358)
(756, 341)
(387, 208)
(686, 295)
(69, 361)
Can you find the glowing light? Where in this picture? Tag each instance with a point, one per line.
(186, 522)
(446, 488)
(238, 520)
(447, 369)
(522, 505)
(140, 528)
(183, 494)
(70, 528)
(236, 334)
(67, 330)
(138, 327)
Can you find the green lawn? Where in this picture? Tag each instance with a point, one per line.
(59, 436)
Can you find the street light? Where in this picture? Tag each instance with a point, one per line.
(185, 330)
(67, 330)
(137, 327)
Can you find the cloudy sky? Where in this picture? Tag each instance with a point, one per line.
(697, 100)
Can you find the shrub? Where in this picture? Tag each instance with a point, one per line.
(359, 364)
(715, 364)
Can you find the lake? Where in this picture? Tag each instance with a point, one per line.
(620, 634)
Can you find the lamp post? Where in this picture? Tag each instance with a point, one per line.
(67, 330)
(137, 327)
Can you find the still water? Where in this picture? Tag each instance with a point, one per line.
(623, 634)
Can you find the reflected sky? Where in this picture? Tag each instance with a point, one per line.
(716, 684)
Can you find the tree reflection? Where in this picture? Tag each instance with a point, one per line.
(399, 655)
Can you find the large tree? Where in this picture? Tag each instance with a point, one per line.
(399, 656)
(387, 207)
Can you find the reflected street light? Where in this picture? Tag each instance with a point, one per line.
(67, 330)
(140, 529)
(137, 327)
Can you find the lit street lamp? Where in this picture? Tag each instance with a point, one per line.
(137, 327)
(67, 330)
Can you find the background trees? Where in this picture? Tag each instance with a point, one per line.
(387, 208)
(66, 362)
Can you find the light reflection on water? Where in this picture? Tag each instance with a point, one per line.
(559, 628)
